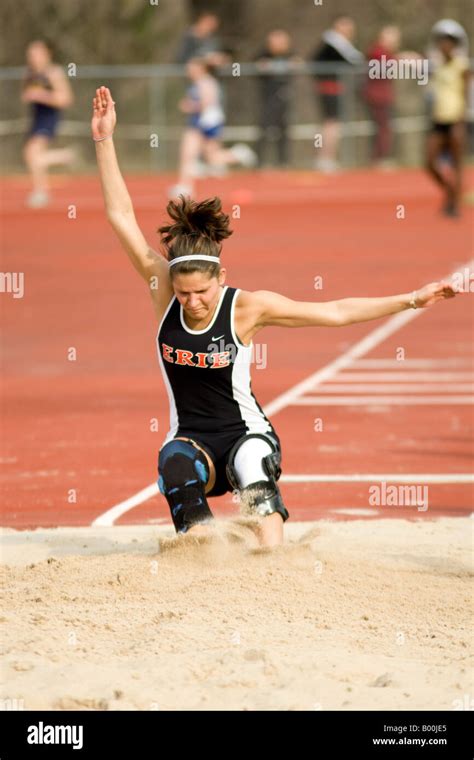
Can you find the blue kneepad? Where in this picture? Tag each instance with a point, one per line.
(183, 474)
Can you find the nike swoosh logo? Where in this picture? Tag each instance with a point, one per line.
(219, 336)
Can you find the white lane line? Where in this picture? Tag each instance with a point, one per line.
(412, 363)
(396, 388)
(355, 511)
(109, 517)
(357, 377)
(373, 339)
(451, 477)
(379, 400)
(358, 350)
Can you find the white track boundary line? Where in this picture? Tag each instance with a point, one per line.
(412, 363)
(108, 518)
(378, 478)
(422, 377)
(395, 388)
(368, 343)
(382, 400)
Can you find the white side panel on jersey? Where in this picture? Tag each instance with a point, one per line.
(241, 392)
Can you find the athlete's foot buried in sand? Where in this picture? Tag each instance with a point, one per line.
(268, 531)
(271, 530)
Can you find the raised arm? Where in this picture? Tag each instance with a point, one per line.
(118, 205)
(274, 309)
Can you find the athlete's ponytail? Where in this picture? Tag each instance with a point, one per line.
(196, 228)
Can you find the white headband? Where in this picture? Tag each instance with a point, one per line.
(193, 257)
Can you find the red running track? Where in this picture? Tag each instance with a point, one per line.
(83, 426)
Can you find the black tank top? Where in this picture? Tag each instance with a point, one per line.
(40, 79)
(207, 373)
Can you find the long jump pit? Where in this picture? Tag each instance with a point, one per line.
(346, 615)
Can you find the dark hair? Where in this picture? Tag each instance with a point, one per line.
(450, 37)
(197, 228)
(342, 17)
(206, 13)
(208, 68)
(47, 43)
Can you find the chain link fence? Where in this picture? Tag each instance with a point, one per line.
(147, 98)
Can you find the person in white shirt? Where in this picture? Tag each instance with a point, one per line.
(203, 133)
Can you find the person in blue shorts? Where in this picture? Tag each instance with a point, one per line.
(203, 133)
(47, 91)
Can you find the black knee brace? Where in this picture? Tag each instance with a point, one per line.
(262, 497)
(183, 474)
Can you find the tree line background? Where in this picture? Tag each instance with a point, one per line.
(97, 32)
(137, 31)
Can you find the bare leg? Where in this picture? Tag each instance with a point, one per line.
(330, 142)
(456, 148)
(38, 159)
(190, 149)
(271, 530)
(58, 156)
(33, 154)
(216, 155)
(220, 157)
(435, 146)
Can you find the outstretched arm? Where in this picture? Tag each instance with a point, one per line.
(275, 309)
(118, 204)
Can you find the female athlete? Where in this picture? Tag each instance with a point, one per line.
(219, 438)
(46, 88)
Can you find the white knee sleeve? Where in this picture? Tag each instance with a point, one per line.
(248, 461)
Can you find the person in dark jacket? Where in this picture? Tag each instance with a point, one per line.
(275, 61)
(201, 41)
(335, 48)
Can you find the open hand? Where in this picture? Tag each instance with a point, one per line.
(434, 292)
(104, 117)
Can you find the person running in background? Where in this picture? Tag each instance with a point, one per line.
(336, 48)
(275, 62)
(47, 91)
(449, 90)
(201, 41)
(202, 136)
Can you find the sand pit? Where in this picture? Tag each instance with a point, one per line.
(347, 615)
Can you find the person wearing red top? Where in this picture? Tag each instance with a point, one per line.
(379, 94)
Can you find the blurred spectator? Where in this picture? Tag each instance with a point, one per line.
(379, 94)
(449, 93)
(275, 62)
(201, 41)
(47, 91)
(336, 48)
(203, 105)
